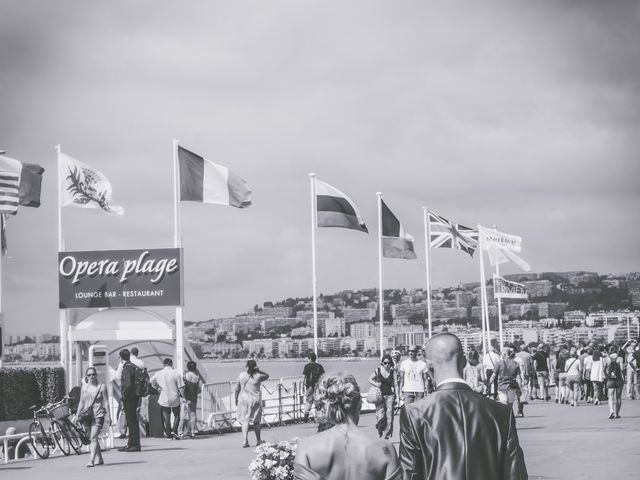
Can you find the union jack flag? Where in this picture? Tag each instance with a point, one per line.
(446, 234)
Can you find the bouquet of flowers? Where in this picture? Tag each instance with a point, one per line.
(274, 461)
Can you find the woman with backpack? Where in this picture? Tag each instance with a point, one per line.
(615, 382)
(384, 378)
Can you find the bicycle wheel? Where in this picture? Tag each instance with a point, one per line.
(57, 432)
(74, 434)
(39, 440)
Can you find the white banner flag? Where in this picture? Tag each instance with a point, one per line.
(84, 186)
(493, 237)
(505, 289)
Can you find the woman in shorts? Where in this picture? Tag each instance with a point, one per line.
(573, 372)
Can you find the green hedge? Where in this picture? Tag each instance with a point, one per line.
(20, 388)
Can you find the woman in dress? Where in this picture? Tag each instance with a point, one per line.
(249, 400)
(472, 373)
(384, 378)
(94, 409)
(344, 452)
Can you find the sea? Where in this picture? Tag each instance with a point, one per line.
(221, 371)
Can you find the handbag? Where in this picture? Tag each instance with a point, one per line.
(86, 415)
(374, 395)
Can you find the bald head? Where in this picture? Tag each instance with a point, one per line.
(445, 356)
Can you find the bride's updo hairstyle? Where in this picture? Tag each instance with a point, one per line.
(340, 394)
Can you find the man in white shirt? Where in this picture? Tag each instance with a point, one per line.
(170, 384)
(135, 360)
(489, 361)
(413, 375)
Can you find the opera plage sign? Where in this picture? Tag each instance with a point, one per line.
(120, 278)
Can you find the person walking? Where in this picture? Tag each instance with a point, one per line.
(457, 433)
(615, 382)
(413, 376)
(629, 350)
(471, 372)
(344, 451)
(384, 377)
(509, 378)
(586, 375)
(312, 372)
(573, 370)
(190, 394)
(489, 361)
(93, 409)
(170, 385)
(526, 368)
(542, 366)
(130, 401)
(248, 398)
(597, 376)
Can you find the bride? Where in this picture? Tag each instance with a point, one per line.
(344, 452)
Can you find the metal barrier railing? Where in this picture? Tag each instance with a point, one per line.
(282, 402)
(6, 440)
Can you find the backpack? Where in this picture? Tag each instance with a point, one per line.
(613, 371)
(191, 390)
(142, 382)
(315, 374)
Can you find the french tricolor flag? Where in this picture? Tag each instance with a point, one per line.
(207, 182)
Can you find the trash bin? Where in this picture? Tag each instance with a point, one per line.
(155, 419)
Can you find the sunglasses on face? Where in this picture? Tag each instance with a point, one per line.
(386, 363)
(92, 374)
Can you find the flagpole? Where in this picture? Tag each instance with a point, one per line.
(177, 241)
(380, 290)
(427, 249)
(314, 222)
(62, 313)
(483, 298)
(499, 309)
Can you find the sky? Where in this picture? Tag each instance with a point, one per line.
(523, 115)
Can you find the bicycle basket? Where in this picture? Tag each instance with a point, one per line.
(60, 412)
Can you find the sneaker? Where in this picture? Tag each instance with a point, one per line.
(556, 400)
(618, 416)
(520, 415)
(612, 416)
(175, 436)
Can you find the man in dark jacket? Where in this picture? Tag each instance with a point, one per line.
(130, 401)
(456, 433)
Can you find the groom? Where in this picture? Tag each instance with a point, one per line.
(457, 433)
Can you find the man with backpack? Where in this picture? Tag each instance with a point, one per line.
(312, 373)
(189, 401)
(130, 394)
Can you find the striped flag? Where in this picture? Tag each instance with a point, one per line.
(446, 234)
(396, 243)
(206, 182)
(10, 170)
(335, 209)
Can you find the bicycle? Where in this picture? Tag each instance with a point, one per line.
(44, 439)
(75, 436)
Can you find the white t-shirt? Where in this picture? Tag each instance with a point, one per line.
(413, 375)
(572, 367)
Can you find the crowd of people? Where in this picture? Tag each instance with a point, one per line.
(447, 400)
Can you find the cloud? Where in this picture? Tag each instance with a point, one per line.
(519, 114)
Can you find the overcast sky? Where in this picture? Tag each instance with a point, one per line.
(524, 115)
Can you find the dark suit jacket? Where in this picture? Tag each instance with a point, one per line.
(458, 434)
(128, 382)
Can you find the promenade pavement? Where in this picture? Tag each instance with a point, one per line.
(560, 442)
